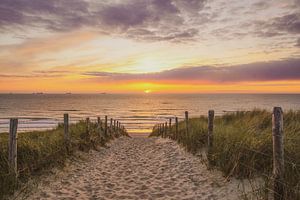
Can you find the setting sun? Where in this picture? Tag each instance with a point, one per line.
(148, 91)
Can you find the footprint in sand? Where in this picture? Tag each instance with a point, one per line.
(137, 168)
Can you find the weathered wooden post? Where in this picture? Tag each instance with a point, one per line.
(66, 131)
(159, 129)
(176, 128)
(118, 124)
(115, 125)
(170, 128)
(111, 127)
(122, 129)
(166, 129)
(105, 126)
(210, 134)
(13, 146)
(99, 125)
(99, 122)
(163, 130)
(278, 153)
(88, 128)
(187, 123)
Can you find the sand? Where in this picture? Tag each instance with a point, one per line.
(138, 168)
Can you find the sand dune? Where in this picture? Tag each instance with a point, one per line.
(138, 168)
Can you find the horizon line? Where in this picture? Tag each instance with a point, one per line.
(141, 93)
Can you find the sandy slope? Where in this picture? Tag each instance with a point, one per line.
(138, 168)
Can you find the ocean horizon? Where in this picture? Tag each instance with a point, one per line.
(137, 112)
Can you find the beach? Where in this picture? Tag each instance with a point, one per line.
(137, 168)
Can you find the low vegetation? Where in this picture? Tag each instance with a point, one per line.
(242, 146)
(39, 151)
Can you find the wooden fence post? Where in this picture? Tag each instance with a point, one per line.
(99, 125)
(176, 128)
(170, 128)
(159, 129)
(99, 122)
(278, 153)
(163, 130)
(115, 125)
(166, 129)
(105, 126)
(66, 131)
(88, 128)
(210, 134)
(118, 124)
(111, 123)
(187, 122)
(13, 146)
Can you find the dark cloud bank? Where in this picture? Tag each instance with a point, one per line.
(262, 71)
(144, 20)
(149, 19)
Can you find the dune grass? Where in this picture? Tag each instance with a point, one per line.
(42, 150)
(242, 146)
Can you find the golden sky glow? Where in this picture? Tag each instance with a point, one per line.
(171, 46)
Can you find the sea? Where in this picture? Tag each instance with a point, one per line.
(137, 112)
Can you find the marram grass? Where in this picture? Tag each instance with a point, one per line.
(242, 146)
(41, 150)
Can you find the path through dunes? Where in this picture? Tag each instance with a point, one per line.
(138, 168)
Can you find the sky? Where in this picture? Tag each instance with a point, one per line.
(150, 46)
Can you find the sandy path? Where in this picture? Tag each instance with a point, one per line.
(138, 168)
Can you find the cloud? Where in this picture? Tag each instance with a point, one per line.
(263, 71)
(191, 6)
(160, 17)
(125, 15)
(289, 23)
(154, 20)
(164, 19)
(53, 15)
(39, 74)
(179, 36)
(261, 5)
(298, 43)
